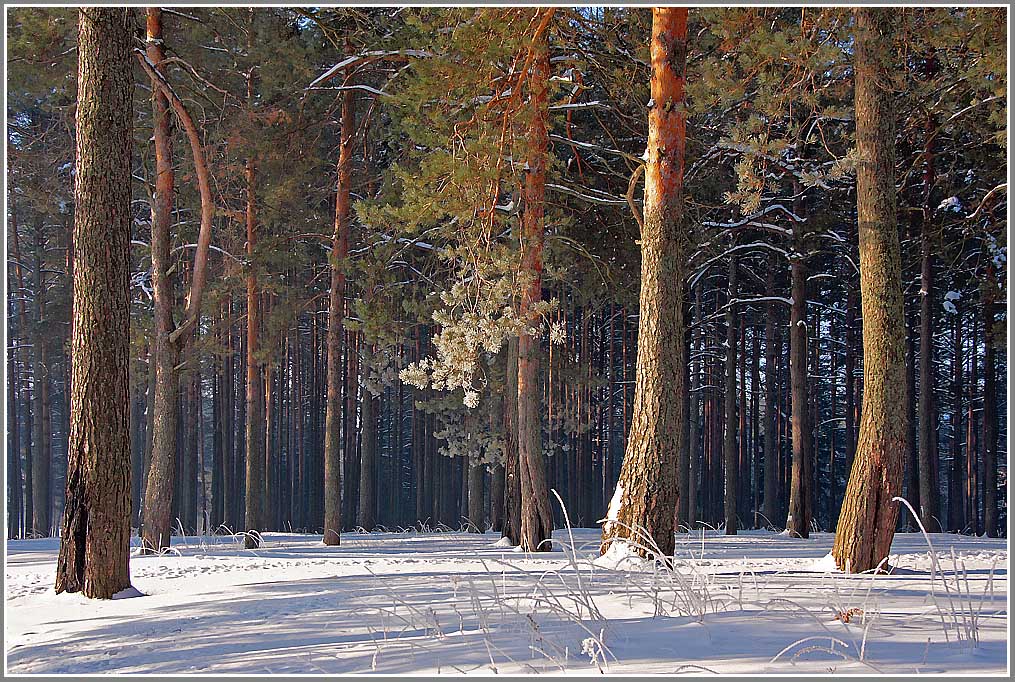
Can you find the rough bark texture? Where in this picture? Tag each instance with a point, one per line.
(537, 521)
(95, 537)
(336, 311)
(729, 445)
(646, 492)
(867, 520)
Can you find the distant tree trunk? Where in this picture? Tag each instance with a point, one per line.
(912, 470)
(798, 520)
(336, 311)
(684, 467)
(729, 445)
(14, 501)
(367, 517)
(867, 520)
(476, 520)
(646, 493)
(497, 488)
(255, 483)
(188, 486)
(537, 520)
(990, 512)
(930, 505)
(850, 378)
(42, 450)
(270, 452)
(972, 443)
(95, 537)
(956, 499)
(756, 451)
(512, 528)
(694, 426)
(24, 395)
(771, 447)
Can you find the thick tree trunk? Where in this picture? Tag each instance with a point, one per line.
(867, 520)
(336, 311)
(729, 445)
(645, 497)
(95, 537)
(537, 520)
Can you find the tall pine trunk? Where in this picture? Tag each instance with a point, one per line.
(867, 520)
(255, 479)
(336, 311)
(643, 503)
(537, 521)
(95, 537)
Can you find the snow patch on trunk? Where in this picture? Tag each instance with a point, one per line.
(614, 510)
(825, 564)
(505, 542)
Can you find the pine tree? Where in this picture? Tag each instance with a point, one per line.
(867, 520)
(95, 535)
(645, 497)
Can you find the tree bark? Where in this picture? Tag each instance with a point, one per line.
(867, 520)
(642, 506)
(95, 537)
(537, 520)
(169, 340)
(336, 311)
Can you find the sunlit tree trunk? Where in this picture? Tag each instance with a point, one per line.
(336, 311)
(867, 520)
(646, 493)
(537, 521)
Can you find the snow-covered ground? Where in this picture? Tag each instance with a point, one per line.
(454, 602)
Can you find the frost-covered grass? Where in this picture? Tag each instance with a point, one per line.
(418, 601)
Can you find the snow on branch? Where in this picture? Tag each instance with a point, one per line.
(588, 194)
(358, 59)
